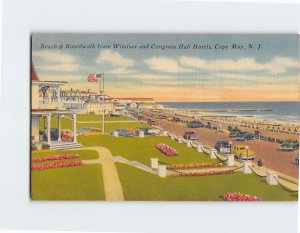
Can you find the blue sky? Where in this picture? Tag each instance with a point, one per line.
(268, 71)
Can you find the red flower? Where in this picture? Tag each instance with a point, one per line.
(55, 157)
(167, 150)
(193, 165)
(56, 165)
(237, 196)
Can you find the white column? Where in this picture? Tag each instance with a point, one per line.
(49, 129)
(272, 178)
(247, 167)
(59, 129)
(212, 154)
(162, 171)
(154, 163)
(74, 128)
(230, 160)
(58, 96)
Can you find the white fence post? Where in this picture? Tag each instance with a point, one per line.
(116, 133)
(172, 136)
(179, 139)
(162, 171)
(212, 154)
(230, 160)
(247, 167)
(189, 144)
(165, 133)
(154, 163)
(199, 148)
(141, 134)
(272, 178)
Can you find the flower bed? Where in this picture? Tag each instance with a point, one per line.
(66, 137)
(167, 150)
(203, 173)
(238, 197)
(55, 157)
(56, 165)
(193, 165)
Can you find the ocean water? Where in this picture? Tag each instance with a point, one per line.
(278, 111)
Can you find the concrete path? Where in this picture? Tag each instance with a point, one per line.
(112, 185)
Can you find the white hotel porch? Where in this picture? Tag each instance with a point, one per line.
(53, 143)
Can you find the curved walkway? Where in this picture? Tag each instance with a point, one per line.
(112, 185)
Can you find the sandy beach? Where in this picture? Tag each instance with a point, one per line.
(269, 151)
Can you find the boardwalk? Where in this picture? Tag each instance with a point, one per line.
(112, 186)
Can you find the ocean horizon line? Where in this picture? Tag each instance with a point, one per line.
(252, 101)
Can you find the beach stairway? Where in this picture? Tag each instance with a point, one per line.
(65, 146)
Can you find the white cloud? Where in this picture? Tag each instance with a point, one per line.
(66, 78)
(275, 66)
(54, 56)
(56, 62)
(165, 64)
(62, 67)
(113, 58)
(121, 71)
(145, 76)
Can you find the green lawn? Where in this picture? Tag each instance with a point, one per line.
(67, 123)
(71, 183)
(141, 185)
(111, 126)
(83, 182)
(142, 149)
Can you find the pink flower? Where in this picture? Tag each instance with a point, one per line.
(167, 150)
(237, 196)
(54, 157)
(56, 165)
(193, 165)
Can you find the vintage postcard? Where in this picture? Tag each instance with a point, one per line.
(165, 117)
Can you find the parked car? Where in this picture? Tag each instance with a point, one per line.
(289, 145)
(176, 119)
(244, 136)
(241, 152)
(233, 134)
(223, 144)
(147, 131)
(140, 117)
(191, 135)
(122, 132)
(296, 160)
(151, 122)
(195, 124)
(54, 134)
(161, 117)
